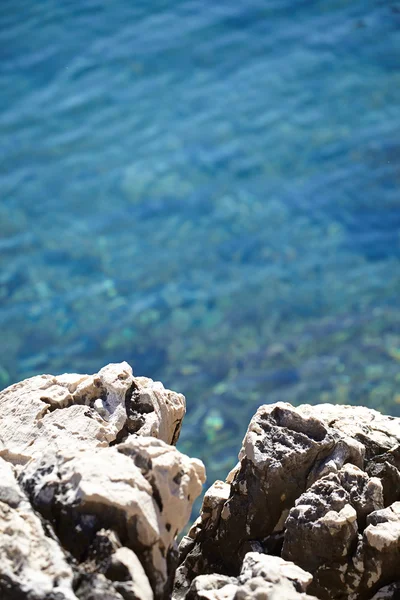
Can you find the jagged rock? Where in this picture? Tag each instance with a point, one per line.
(304, 488)
(142, 489)
(155, 411)
(387, 467)
(111, 571)
(322, 529)
(376, 432)
(32, 564)
(282, 453)
(388, 592)
(377, 558)
(92, 495)
(85, 410)
(212, 587)
(263, 577)
(274, 569)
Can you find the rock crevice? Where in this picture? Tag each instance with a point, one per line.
(90, 503)
(93, 495)
(318, 491)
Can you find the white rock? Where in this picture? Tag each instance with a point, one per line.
(31, 562)
(143, 489)
(79, 411)
(92, 456)
(164, 421)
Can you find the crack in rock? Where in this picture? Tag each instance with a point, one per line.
(93, 495)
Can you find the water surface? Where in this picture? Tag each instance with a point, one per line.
(209, 191)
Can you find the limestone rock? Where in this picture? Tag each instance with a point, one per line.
(323, 528)
(376, 432)
(111, 571)
(155, 411)
(85, 410)
(388, 592)
(263, 577)
(142, 489)
(32, 565)
(273, 569)
(377, 558)
(212, 587)
(310, 486)
(386, 466)
(92, 496)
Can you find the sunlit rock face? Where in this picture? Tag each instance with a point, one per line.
(92, 491)
(79, 411)
(261, 576)
(317, 486)
(93, 494)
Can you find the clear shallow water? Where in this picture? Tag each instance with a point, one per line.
(209, 191)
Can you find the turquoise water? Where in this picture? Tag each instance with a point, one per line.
(208, 190)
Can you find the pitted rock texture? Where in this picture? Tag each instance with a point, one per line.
(85, 410)
(316, 485)
(92, 494)
(32, 564)
(261, 576)
(141, 489)
(388, 592)
(323, 528)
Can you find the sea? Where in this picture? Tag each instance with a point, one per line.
(210, 191)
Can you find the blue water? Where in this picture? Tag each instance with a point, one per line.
(208, 190)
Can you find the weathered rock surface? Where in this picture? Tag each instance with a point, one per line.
(141, 489)
(92, 494)
(388, 592)
(85, 410)
(322, 529)
(314, 485)
(32, 565)
(261, 576)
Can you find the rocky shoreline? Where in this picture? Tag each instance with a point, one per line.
(93, 495)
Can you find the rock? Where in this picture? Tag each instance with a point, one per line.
(377, 558)
(85, 410)
(92, 494)
(273, 568)
(307, 487)
(155, 411)
(141, 489)
(112, 571)
(376, 432)
(32, 564)
(386, 466)
(388, 592)
(283, 451)
(213, 586)
(322, 529)
(264, 577)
